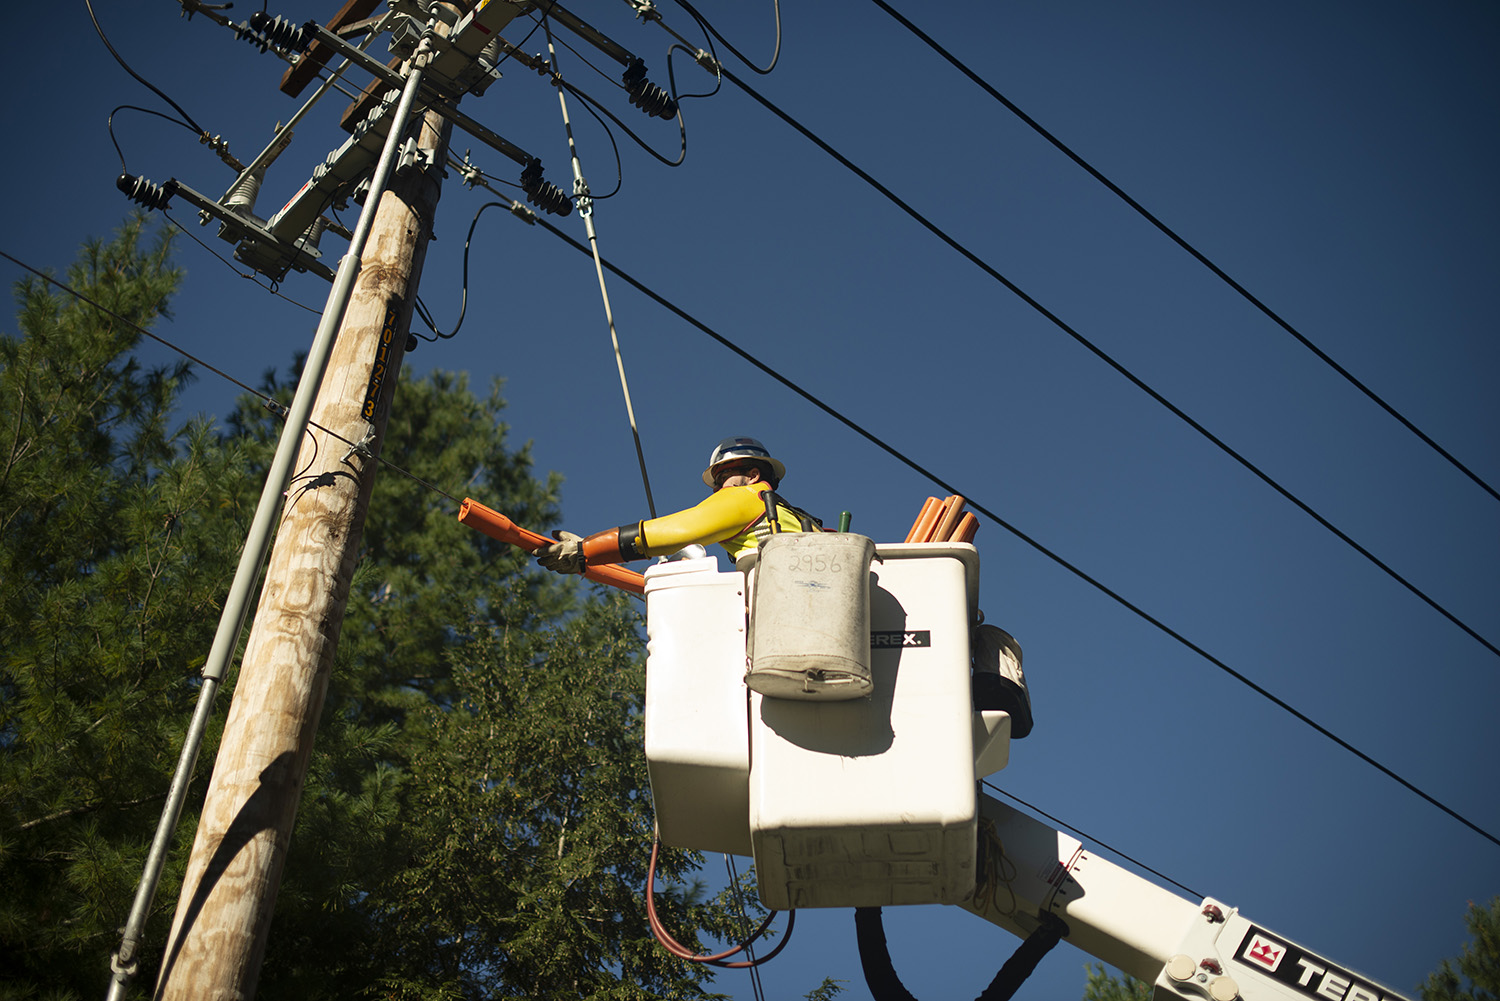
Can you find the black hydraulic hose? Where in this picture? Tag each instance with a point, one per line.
(880, 975)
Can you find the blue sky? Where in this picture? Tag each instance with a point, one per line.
(1335, 158)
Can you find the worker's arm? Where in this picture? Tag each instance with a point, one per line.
(722, 515)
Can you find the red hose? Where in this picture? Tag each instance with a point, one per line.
(681, 951)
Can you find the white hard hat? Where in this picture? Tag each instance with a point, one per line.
(737, 449)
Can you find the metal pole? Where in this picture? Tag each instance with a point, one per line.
(124, 964)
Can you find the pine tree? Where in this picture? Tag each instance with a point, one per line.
(476, 819)
(1477, 976)
(111, 563)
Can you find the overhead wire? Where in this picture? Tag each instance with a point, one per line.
(756, 987)
(273, 287)
(272, 404)
(1103, 356)
(591, 104)
(1056, 558)
(192, 124)
(266, 399)
(586, 212)
(1089, 837)
(1193, 251)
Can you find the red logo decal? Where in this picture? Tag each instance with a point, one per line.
(1265, 952)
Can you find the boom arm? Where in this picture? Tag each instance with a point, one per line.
(1194, 951)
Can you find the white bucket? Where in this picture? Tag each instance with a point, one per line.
(810, 617)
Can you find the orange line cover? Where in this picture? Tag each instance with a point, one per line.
(498, 526)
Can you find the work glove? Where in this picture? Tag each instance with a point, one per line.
(563, 556)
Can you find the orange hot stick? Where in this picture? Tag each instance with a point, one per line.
(925, 519)
(944, 530)
(968, 527)
(498, 526)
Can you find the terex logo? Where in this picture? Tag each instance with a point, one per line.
(1304, 972)
(888, 638)
(1265, 952)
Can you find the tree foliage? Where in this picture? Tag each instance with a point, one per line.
(109, 568)
(1104, 986)
(476, 820)
(1476, 976)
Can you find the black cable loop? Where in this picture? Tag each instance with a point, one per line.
(463, 307)
(186, 118)
(615, 147)
(672, 75)
(1103, 356)
(1023, 537)
(1172, 235)
(682, 154)
(708, 29)
(110, 125)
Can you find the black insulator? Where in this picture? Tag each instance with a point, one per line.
(266, 30)
(144, 192)
(543, 193)
(646, 95)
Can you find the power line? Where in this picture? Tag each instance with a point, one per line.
(519, 209)
(267, 400)
(1089, 837)
(1108, 360)
(1201, 258)
(912, 464)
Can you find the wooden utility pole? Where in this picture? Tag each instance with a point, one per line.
(224, 912)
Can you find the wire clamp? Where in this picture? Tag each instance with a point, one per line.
(705, 59)
(645, 10)
(471, 174)
(361, 448)
(581, 197)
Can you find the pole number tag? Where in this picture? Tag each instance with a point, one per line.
(382, 367)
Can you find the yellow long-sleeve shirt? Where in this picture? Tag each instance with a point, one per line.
(733, 517)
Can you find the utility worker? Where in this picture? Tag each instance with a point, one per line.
(740, 471)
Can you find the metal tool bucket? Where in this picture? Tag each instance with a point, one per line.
(810, 617)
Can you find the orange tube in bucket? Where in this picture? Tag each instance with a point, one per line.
(498, 526)
(929, 533)
(952, 508)
(968, 527)
(925, 518)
